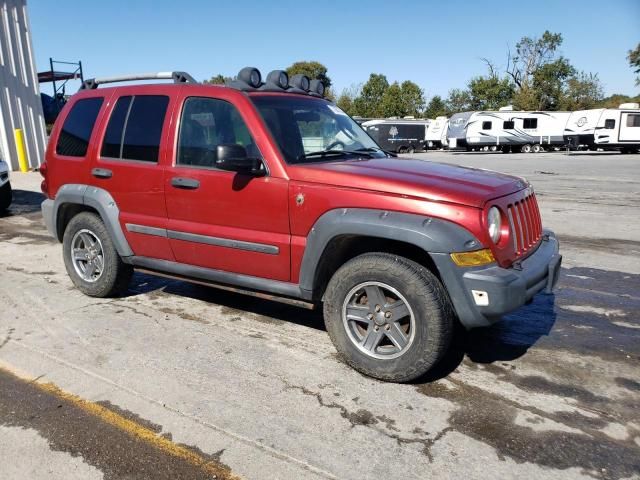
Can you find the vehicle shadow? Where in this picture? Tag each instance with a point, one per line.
(269, 310)
(24, 202)
(506, 340)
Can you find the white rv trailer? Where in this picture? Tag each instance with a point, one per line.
(457, 130)
(606, 128)
(437, 133)
(515, 131)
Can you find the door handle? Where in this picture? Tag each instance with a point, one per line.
(101, 173)
(185, 183)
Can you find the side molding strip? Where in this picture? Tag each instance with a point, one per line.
(204, 239)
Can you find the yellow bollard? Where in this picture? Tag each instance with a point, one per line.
(22, 151)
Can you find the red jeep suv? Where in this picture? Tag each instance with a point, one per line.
(268, 187)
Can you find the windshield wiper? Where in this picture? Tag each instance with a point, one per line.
(374, 149)
(341, 153)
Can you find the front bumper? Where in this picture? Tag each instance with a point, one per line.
(498, 290)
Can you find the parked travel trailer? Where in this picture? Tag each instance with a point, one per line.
(398, 135)
(437, 133)
(457, 130)
(513, 131)
(606, 128)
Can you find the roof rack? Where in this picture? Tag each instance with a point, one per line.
(177, 77)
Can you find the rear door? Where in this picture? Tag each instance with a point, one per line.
(630, 127)
(129, 167)
(218, 219)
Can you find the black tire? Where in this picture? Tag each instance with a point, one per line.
(426, 297)
(411, 150)
(115, 274)
(6, 196)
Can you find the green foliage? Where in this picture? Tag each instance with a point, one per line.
(217, 80)
(391, 103)
(634, 62)
(583, 91)
(458, 101)
(436, 107)
(614, 101)
(490, 92)
(312, 70)
(369, 102)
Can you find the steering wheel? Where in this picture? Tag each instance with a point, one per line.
(335, 144)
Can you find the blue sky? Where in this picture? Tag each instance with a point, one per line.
(439, 45)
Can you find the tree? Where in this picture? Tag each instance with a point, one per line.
(312, 70)
(435, 108)
(346, 100)
(490, 92)
(458, 101)
(634, 62)
(391, 103)
(369, 102)
(614, 101)
(218, 80)
(583, 91)
(412, 99)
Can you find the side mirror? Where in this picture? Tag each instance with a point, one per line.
(234, 158)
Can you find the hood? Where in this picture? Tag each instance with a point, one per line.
(438, 182)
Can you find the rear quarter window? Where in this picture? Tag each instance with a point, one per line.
(74, 137)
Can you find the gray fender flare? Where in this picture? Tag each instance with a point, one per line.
(433, 235)
(102, 202)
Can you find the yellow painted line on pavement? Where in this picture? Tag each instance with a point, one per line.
(132, 428)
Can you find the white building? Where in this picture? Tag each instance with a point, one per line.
(20, 104)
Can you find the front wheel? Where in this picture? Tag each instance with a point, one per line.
(91, 259)
(388, 317)
(5, 196)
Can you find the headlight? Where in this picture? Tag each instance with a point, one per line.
(494, 222)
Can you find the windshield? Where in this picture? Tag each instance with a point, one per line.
(310, 129)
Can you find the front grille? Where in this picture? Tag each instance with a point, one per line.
(525, 223)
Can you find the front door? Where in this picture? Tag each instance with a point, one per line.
(630, 127)
(219, 219)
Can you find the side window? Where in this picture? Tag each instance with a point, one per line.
(633, 120)
(609, 124)
(76, 130)
(135, 128)
(486, 125)
(207, 123)
(530, 123)
(509, 125)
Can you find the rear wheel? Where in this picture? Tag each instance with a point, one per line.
(91, 259)
(538, 148)
(411, 149)
(388, 317)
(493, 148)
(526, 148)
(5, 196)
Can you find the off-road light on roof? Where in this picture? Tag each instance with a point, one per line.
(251, 76)
(278, 78)
(316, 88)
(300, 81)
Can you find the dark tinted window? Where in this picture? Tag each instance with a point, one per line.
(207, 123)
(530, 123)
(112, 143)
(633, 120)
(610, 124)
(141, 118)
(486, 125)
(509, 125)
(76, 130)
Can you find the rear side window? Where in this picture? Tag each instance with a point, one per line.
(530, 123)
(633, 120)
(609, 124)
(509, 125)
(135, 128)
(486, 125)
(76, 130)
